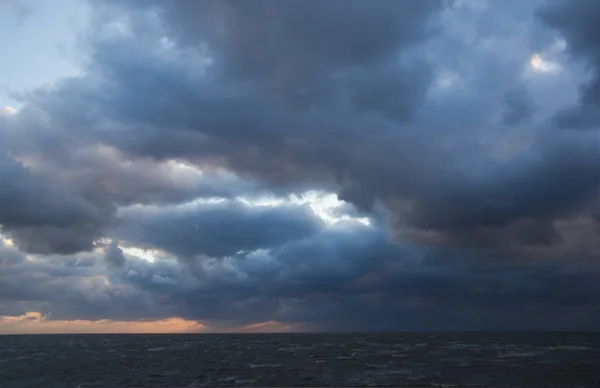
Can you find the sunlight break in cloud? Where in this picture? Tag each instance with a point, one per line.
(149, 255)
(323, 204)
(8, 111)
(6, 241)
(538, 64)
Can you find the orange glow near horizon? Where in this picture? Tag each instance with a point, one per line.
(35, 323)
(269, 327)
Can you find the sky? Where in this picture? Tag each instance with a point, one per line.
(288, 166)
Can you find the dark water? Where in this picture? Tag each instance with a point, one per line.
(405, 360)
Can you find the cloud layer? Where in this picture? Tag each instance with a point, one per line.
(348, 165)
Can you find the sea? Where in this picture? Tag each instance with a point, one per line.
(301, 360)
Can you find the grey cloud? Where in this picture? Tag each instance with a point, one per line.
(295, 43)
(218, 229)
(339, 279)
(519, 107)
(44, 218)
(61, 290)
(576, 21)
(339, 286)
(10, 256)
(114, 256)
(553, 180)
(168, 83)
(383, 158)
(66, 197)
(250, 141)
(30, 200)
(396, 150)
(425, 121)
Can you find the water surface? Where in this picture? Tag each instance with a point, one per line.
(278, 360)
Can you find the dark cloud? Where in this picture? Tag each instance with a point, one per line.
(295, 46)
(66, 197)
(576, 21)
(30, 200)
(219, 229)
(337, 280)
(45, 218)
(265, 139)
(519, 107)
(114, 256)
(550, 181)
(268, 131)
(423, 116)
(61, 288)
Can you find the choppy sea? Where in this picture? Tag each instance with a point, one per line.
(286, 360)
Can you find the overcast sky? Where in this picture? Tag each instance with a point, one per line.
(269, 165)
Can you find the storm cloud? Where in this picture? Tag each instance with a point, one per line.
(339, 165)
